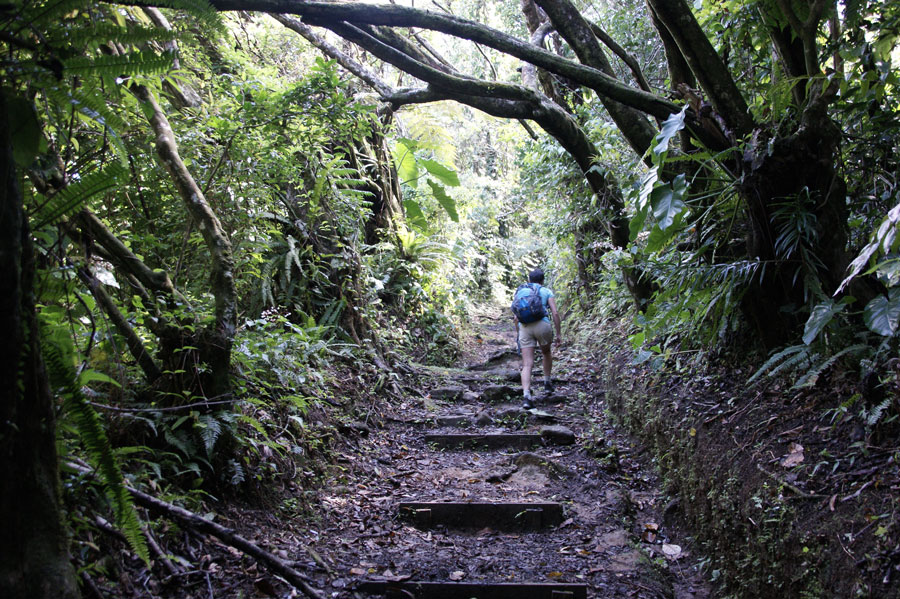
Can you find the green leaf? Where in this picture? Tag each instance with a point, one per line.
(24, 130)
(641, 205)
(444, 200)
(441, 172)
(414, 214)
(881, 313)
(90, 375)
(667, 202)
(820, 316)
(407, 169)
(670, 128)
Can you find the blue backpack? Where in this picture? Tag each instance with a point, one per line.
(528, 308)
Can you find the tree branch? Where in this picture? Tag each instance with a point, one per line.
(571, 25)
(134, 343)
(323, 13)
(623, 54)
(226, 535)
(711, 71)
(343, 59)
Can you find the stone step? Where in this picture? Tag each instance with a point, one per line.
(497, 516)
(487, 441)
(470, 590)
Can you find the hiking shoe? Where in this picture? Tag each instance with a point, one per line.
(549, 387)
(528, 404)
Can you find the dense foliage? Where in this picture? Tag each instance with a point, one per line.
(240, 221)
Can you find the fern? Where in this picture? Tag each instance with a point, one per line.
(812, 376)
(89, 102)
(107, 32)
(145, 62)
(210, 429)
(875, 414)
(788, 357)
(57, 352)
(201, 9)
(73, 198)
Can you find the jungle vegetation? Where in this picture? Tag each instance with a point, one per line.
(216, 214)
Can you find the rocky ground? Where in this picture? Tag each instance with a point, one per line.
(352, 529)
(609, 539)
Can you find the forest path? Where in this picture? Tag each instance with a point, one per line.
(607, 542)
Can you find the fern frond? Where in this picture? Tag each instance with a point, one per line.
(71, 199)
(145, 62)
(53, 12)
(210, 429)
(101, 33)
(57, 353)
(90, 102)
(875, 413)
(201, 9)
(789, 354)
(812, 376)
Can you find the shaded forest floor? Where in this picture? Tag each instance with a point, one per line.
(350, 529)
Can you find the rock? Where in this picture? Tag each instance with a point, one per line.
(455, 420)
(451, 393)
(555, 397)
(484, 419)
(513, 376)
(528, 458)
(512, 413)
(498, 359)
(498, 393)
(471, 396)
(558, 435)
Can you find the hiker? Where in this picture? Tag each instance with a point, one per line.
(533, 305)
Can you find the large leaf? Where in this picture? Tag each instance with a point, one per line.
(641, 203)
(444, 200)
(658, 238)
(882, 313)
(883, 240)
(407, 169)
(820, 316)
(441, 172)
(667, 201)
(414, 214)
(670, 128)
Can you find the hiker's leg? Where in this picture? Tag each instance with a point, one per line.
(527, 365)
(548, 361)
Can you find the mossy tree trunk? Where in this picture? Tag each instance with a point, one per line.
(34, 556)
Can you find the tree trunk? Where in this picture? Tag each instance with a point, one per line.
(33, 541)
(216, 340)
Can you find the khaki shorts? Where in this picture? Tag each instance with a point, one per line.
(535, 333)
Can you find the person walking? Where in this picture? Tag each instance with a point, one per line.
(532, 321)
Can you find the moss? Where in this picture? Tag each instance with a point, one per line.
(747, 522)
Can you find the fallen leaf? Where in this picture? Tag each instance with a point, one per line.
(831, 502)
(457, 575)
(794, 456)
(672, 552)
(554, 575)
(358, 571)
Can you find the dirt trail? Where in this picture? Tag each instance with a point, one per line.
(610, 537)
